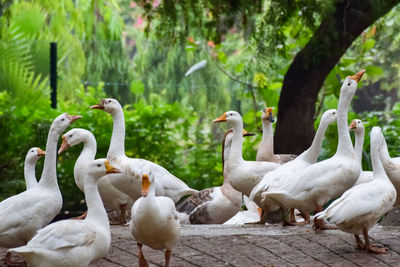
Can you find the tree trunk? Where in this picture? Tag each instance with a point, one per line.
(295, 127)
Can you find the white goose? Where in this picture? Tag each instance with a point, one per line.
(360, 207)
(154, 220)
(285, 175)
(265, 151)
(111, 196)
(74, 242)
(213, 205)
(131, 168)
(318, 183)
(358, 127)
(23, 214)
(392, 168)
(33, 155)
(242, 174)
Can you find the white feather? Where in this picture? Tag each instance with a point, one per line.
(195, 67)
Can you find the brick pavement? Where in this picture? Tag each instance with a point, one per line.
(272, 245)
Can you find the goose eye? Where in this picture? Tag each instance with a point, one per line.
(32, 151)
(70, 135)
(62, 119)
(98, 165)
(109, 101)
(348, 84)
(334, 113)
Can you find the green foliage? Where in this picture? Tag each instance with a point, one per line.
(103, 52)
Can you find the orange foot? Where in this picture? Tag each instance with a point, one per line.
(375, 249)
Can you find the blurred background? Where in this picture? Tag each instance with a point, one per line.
(140, 52)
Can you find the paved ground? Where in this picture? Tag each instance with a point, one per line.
(219, 245)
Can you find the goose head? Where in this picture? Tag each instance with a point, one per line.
(350, 84)
(74, 137)
(147, 180)
(109, 105)
(62, 122)
(329, 116)
(100, 167)
(34, 154)
(267, 115)
(231, 117)
(357, 126)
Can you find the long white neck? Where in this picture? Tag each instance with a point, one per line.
(87, 154)
(266, 147)
(384, 154)
(311, 154)
(345, 146)
(377, 167)
(227, 145)
(96, 210)
(117, 144)
(89, 149)
(237, 142)
(359, 143)
(49, 173)
(225, 155)
(29, 173)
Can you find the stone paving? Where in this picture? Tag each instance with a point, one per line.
(255, 245)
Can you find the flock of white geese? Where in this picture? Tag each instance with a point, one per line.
(156, 200)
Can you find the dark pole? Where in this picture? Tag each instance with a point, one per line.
(53, 74)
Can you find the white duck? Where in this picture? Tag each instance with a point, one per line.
(360, 207)
(358, 127)
(285, 175)
(242, 174)
(33, 155)
(392, 168)
(74, 242)
(318, 183)
(154, 220)
(111, 196)
(213, 205)
(129, 181)
(23, 214)
(265, 151)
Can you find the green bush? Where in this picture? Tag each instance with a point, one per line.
(168, 134)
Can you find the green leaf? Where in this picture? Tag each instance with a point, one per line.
(368, 44)
(274, 86)
(137, 87)
(248, 118)
(374, 71)
(239, 67)
(260, 79)
(222, 57)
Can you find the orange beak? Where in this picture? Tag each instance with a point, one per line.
(358, 75)
(98, 106)
(64, 145)
(246, 133)
(73, 118)
(145, 185)
(270, 117)
(110, 168)
(221, 118)
(41, 152)
(353, 125)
